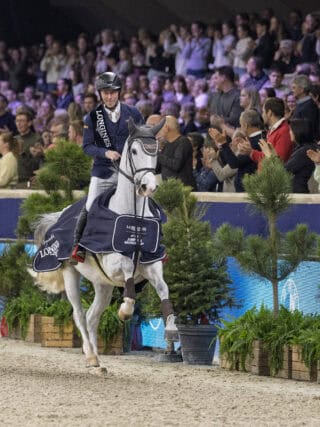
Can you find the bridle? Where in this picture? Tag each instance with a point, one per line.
(133, 169)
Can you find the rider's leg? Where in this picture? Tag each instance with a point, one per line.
(96, 187)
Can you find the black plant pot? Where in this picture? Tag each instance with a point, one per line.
(197, 345)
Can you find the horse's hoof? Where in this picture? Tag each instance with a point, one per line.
(92, 362)
(171, 335)
(99, 371)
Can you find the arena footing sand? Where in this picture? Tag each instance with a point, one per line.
(52, 387)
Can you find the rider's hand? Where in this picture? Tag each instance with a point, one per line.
(113, 155)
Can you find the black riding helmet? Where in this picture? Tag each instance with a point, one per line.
(108, 80)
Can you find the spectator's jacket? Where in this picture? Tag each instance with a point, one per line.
(226, 105)
(175, 161)
(196, 52)
(279, 137)
(256, 82)
(100, 134)
(301, 167)
(307, 109)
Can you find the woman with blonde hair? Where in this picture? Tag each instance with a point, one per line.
(9, 149)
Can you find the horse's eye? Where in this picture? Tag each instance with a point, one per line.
(134, 151)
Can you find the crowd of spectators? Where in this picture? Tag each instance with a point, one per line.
(228, 85)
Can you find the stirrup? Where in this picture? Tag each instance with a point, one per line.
(78, 255)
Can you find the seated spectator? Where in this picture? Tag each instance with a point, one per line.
(187, 115)
(276, 79)
(13, 101)
(284, 58)
(44, 116)
(155, 95)
(59, 130)
(170, 109)
(124, 66)
(241, 163)
(255, 78)
(299, 163)
(252, 127)
(9, 150)
(224, 173)
(200, 93)
(168, 93)
(306, 107)
(206, 179)
(145, 107)
(290, 105)
(175, 157)
(90, 102)
(75, 132)
(7, 122)
(74, 111)
(225, 103)
(182, 94)
(265, 93)
(197, 141)
(202, 120)
(65, 93)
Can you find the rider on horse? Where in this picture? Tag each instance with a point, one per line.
(104, 136)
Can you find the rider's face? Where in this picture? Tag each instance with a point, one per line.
(110, 98)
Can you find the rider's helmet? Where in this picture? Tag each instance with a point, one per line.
(108, 80)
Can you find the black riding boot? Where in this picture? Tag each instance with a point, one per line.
(79, 253)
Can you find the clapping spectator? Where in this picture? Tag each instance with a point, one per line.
(9, 150)
(196, 51)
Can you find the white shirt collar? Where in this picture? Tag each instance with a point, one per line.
(277, 124)
(258, 132)
(114, 115)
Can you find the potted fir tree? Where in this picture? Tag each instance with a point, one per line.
(272, 258)
(198, 281)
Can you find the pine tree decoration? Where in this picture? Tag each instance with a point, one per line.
(198, 282)
(275, 257)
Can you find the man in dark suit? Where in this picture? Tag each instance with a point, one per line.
(306, 107)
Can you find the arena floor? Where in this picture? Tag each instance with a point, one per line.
(52, 387)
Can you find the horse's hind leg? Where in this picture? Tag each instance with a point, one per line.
(72, 286)
(102, 298)
(154, 273)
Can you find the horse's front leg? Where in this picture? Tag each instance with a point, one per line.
(102, 298)
(154, 273)
(72, 287)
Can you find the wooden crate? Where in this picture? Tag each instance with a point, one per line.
(259, 361)
(299, 370)
(55, 335)
(115, 347)
(286, 371)
(34, 329)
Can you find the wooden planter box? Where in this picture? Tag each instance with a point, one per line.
(299, 370)
(55, 335)
(259, 361)
(286, 371)
(114, 347)
(34, 329)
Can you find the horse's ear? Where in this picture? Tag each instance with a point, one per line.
(157, 127)
(131, 126)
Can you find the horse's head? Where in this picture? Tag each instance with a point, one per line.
(142, 156)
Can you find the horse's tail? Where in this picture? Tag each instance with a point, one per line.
(42, 224)
(51, 281)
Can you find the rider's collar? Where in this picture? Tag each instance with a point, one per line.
(114, 115)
